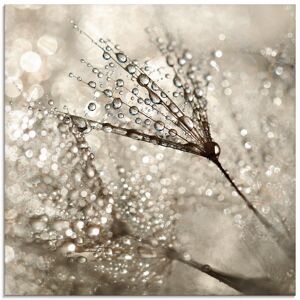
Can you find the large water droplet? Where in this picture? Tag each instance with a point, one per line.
(131, 69)
(117, 103)
(159, 126)
(177, 81)
(135, 91)
(143, 79)
(133, 110)
(154, 97)
(108, 93)
(121, 57)
(172, 132)
(187, 122)
(92, 84)
(92, 106)
(120, 82)
(174, 108)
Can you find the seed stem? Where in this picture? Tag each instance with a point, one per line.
(242, 284)
(279, 238)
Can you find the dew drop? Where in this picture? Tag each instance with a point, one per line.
(138, 120)
(120, 82)
(143, 80)
(92, 84)
(177, 82)
(108, 93)
(187, 122)
(133, 110)
(172, 132)
(174, 108)
(92, 106)
(188, 55)
(159, 126)
(135, 91)
(117, 103)
(154, 97)
(131, 69)
(106, 55)
(121, 57)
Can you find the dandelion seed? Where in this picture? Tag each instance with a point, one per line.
(180, 123)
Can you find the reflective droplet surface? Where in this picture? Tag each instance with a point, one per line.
(177, 82)
(92, 106)
(108, 93)
(133, 110)
(106, 55)
(143, 79)
(131, 69)
(187, 122)
(159, 126)
(120, 82)
(117, 103)
(121, 57)
(92, 84)
(154, 97)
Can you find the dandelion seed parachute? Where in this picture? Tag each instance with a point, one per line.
(186, 129)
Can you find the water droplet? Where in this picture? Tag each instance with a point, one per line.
(172, 132)
(92, 106)
(92, 84)
(187, 122)
(106, 55)
(138, 120)
(131, 69)
(147, 122)
(159, 126)
(121, 115)
(121, 57)
(170, 61)
(143, 80)
(181, 61)
(120, 82)
(174, 108)
(108, 93)
(218, 54)
(135, 91)
(177, 81)
(93, 231)
(188, 96)
(117, 103)
(188, 55)
(154, 97)
(82, 259)
(95, 70)
(133, 110)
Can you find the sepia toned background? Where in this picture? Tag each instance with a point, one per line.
(251, 108)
